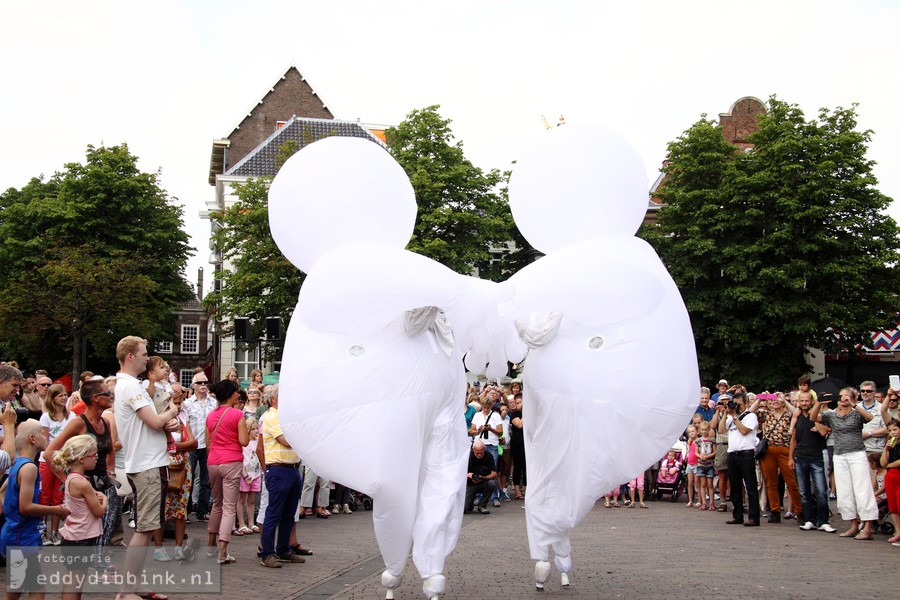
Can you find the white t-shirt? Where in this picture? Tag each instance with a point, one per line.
(145, 448)
(738, 441)
(54, 428)
(493, 420)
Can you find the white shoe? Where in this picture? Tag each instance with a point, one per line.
(131, 523)
(564, 579)
(347, 510)
(336, 509)
(160, 555)
(827, 528)
(808, 526)
(496, 504)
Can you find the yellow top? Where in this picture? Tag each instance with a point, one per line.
(270, 428)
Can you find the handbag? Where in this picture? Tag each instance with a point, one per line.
(761, 448)
(176, 479)
(177, 468)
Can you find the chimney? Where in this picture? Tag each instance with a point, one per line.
(200, 283)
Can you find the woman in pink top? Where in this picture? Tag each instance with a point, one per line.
(226, 436)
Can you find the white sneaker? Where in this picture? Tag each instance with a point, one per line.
(47, 538)
(160, 555)
(496, 504)
(827, 528)
(131, 523)
(178, 554)
(808, 526)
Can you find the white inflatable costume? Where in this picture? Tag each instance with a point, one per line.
(611, 379)
(372, 385)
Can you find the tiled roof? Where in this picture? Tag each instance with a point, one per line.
(261, 161)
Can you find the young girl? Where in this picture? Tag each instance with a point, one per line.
(54, 421)
(251, 482)
(691, 463)
(706, 455)
(84, 523)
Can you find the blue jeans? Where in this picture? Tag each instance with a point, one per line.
(811, 472)
(283, 485)
(201, 487)
(492, 450)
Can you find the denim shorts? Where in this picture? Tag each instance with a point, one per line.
(706, 472)
(691, 469)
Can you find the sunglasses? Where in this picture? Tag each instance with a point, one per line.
(43, 385)
(867, 391)
(107, 394)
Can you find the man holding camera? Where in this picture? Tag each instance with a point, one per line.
(487, 427)
(741, 426)
(481, 478)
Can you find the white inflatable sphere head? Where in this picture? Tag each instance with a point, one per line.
(578, 182)
(339, 190)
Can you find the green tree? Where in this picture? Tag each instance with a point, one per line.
(92, 254)
(462, 211)
(781, 248)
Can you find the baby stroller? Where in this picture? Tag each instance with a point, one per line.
(884, 523)
(670, 479)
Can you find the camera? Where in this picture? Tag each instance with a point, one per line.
(732, 405)
(22, 414)
(477, 478)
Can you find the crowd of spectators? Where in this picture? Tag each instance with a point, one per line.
(138, 439)
(141, 442)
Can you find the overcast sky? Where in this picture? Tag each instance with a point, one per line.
(169, 77)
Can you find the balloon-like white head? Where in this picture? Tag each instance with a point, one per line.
(579, 182)
(339, 190)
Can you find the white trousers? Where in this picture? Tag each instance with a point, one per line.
(309, 489)
(855, 496)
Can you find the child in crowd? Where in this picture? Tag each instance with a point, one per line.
(706, 455)
(251, 482)
(637, 482)
(54, 420)
(21, 509)
(692, 463)
(84, 524)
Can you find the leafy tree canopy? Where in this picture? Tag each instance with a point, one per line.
(463, 211)
(96, 252)
(777, 249)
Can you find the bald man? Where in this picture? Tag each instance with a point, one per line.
(481, 478)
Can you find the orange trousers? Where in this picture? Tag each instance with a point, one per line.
(775, 460)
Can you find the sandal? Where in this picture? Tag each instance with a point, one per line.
(237, 532)
(607, 504)
(864, 537)
(849, 533)
(632, 505)
(254, 529)
(301, 551)
(723, 508)
(644, 505)
(245, 530)
(616, 504)
(229, 559)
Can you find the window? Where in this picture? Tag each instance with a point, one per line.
(190, 339)
(164, 347)
(186, 376)
(246, 358)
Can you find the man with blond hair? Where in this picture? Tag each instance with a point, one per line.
(141, 430)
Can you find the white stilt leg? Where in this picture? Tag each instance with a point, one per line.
(541, 574)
